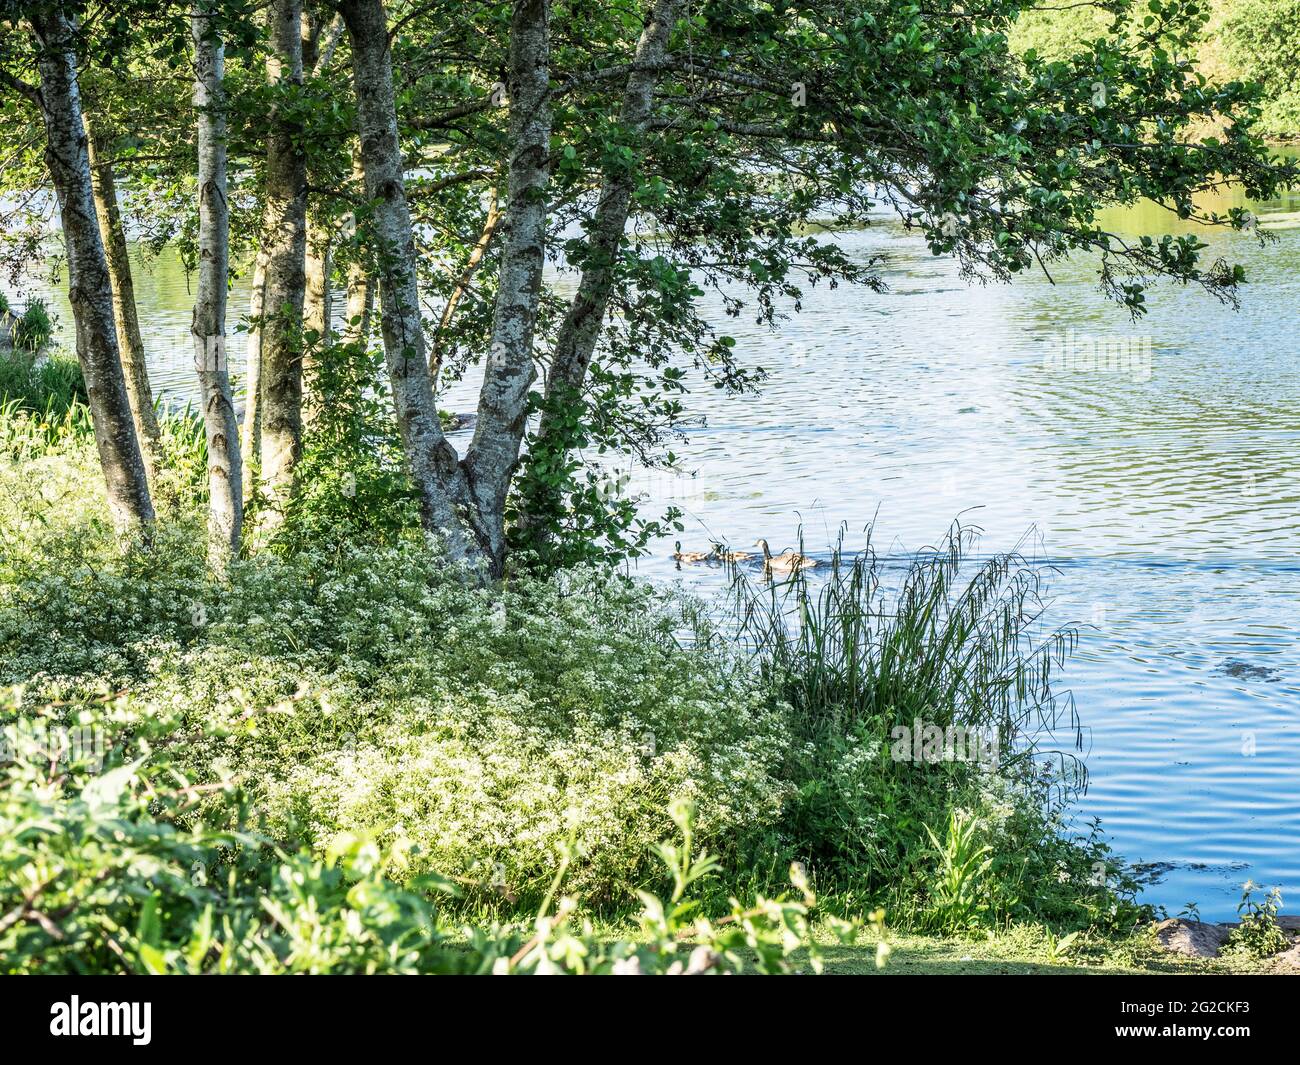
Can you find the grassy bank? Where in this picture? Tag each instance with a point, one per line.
(1033, 951)
(341, 753)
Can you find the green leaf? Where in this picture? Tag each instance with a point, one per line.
(148, 930)
(155, 963)
(105, 792)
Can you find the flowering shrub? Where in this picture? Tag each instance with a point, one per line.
(367, 690)
(98, 875)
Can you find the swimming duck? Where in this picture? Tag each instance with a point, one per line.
(788, 561)
(690, 556)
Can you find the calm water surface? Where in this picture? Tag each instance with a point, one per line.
(1163, 483)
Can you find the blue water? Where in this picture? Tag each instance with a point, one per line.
(1164, 487)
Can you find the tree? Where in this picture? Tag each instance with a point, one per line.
(90, 291)
(580, 330)
(318, 44)
(251, 430)
(508, 375)
(431, 460)
(99, 145)
(1261, 39)
(1002, 161)
(660, 152)
(727, 147)
(284, 238)
(221, 428)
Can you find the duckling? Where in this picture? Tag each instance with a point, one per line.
(690, 556)
(786, 562)
(721, 554)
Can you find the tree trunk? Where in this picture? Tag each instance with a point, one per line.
(432, 461)
(252, 438)
(580, 330)
(581, 326)
(90, 290)
(225, 475)
(284, 233)
(99, 148)
(360, 305)
(509, 371)
(320, 259)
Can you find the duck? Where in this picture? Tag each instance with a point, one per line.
(721, 554)
(690, 556)
(788, 561)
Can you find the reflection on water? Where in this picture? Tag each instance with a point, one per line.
(1156, 458)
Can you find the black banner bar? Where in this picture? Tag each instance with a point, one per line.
(147, 1015)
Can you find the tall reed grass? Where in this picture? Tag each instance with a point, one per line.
(871, 648)
(940, 636)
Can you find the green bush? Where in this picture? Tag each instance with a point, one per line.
(958, 899)
(1255, 41)
(366, 689)
(1057, 34)
(352, 481)
(490, 729)
(359, 688)
(99, 875)
(34, 328)
(1258, 935)
(1261, 39)
(48, 386)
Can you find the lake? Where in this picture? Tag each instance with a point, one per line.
(1153, 463)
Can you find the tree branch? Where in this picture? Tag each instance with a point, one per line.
(25, 88)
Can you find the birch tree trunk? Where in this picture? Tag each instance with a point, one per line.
(360, 305)
(225, 475)
(284, 233)
(361, 291)
(509, 371)
(580, 329)
(431, 459)
(319, 238)
(90, 290)
(320, 259)
(579, 332)
(99, 148)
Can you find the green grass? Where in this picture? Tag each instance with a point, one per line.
(867, 650)
(1027, 951)
(1020, 950)
(49, 386)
